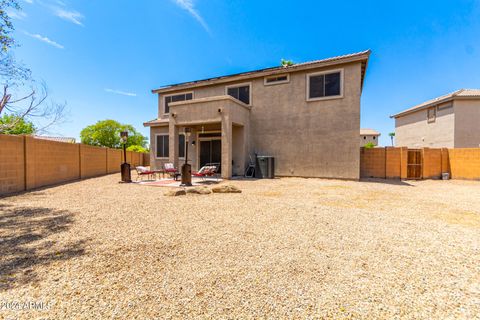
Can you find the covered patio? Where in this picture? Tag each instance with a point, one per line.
(219, 133)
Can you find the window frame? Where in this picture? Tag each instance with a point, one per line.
(238, 85)
(309, 75)
(276, 76)
(176, 94)
(156, 145)
(434, 118)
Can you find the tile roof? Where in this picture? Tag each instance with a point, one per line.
(58, 139)
(369, 132)
(474, 93)
(363, 55)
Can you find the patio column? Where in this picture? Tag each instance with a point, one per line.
(173, 144)
(226, 147)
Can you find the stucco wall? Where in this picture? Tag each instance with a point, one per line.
(413, 130)
(315, 139)
(365, 138)
(467, 123)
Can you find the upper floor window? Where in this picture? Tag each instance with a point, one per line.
(277, 79)
(431, 114)
(324, 85)
(176, 98)
(240, 92)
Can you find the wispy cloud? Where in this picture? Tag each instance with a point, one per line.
(189, 6)
(16, 14)
(69, 15)
(28, 1)
(45, 39)
(123, 93)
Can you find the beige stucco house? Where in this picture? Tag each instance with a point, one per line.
(367, 136)
(306, 115)
(451, 121)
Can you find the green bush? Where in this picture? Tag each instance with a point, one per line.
(369, 145)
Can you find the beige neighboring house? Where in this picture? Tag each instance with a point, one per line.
(306, 115)
(367, 136)
(451, 121)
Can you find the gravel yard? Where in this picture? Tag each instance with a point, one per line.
(284, 248)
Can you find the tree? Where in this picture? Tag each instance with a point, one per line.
(286, 63)
(392, 135)
(16, 125)
(106, 133)
(369, 145)
(22, 96)
(136, 148)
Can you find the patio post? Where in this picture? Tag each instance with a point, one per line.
(226, 147)
(173, 144)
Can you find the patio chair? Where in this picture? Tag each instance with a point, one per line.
(208, 170)
(170, 169)
(144, 171)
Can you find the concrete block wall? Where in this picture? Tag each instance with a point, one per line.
(393, 163)
(465, 163)
(12, 164)
(372, 163)
(432, 163)
(27, 163)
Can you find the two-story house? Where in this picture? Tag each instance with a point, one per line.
(306, 115)
(451, 121)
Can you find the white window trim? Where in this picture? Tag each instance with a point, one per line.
(276, 82)
(156, 145)
(175, 94)
(320, 73)
(236, 85)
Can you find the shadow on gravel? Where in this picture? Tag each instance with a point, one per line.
(25, 244)
(396, 182)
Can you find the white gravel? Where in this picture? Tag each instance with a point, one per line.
(283, 248)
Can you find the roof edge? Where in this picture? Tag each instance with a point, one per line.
(360, 56)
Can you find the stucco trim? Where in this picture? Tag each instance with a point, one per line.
(214, 98)
(308, 75)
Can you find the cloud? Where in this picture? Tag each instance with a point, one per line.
(45, 39)
(190, 7)
(28, 1)
(15, 14)
(123, 93)
(68, 15)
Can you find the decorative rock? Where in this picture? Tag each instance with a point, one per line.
(226, 188)
(175, 193)
(199, 190)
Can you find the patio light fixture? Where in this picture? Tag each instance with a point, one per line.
(125, 167)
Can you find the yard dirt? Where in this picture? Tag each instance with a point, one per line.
(283, 248)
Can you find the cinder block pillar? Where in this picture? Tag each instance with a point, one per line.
(173, 144)
(226, 147)
(403, 162)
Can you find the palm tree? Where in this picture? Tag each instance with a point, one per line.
(392, 135)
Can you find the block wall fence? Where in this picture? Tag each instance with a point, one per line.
(27, 163)
(391, 163)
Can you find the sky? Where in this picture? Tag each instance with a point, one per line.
(103, 58)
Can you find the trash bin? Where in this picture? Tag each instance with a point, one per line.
(265, 167)
(445, 175)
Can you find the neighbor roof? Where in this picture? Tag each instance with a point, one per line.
(369, 132)
(58, 139)
(462, 93)
(359, 56)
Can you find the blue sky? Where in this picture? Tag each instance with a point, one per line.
(104, 57)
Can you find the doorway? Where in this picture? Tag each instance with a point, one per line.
(210, 151)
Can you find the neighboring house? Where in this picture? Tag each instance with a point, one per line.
(367, 136)
(451, 121)
(58, 139)
(306, 115)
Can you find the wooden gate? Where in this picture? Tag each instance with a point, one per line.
(414, 164)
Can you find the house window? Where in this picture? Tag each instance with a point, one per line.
(177, 98)
(240, 92)
(277, 79)
(431, 115)
(364, 138)
(181, 146)
(324, 85)
(373, 137)
(162, 145)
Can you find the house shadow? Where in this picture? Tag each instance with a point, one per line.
(396, 182)
(25, 243)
